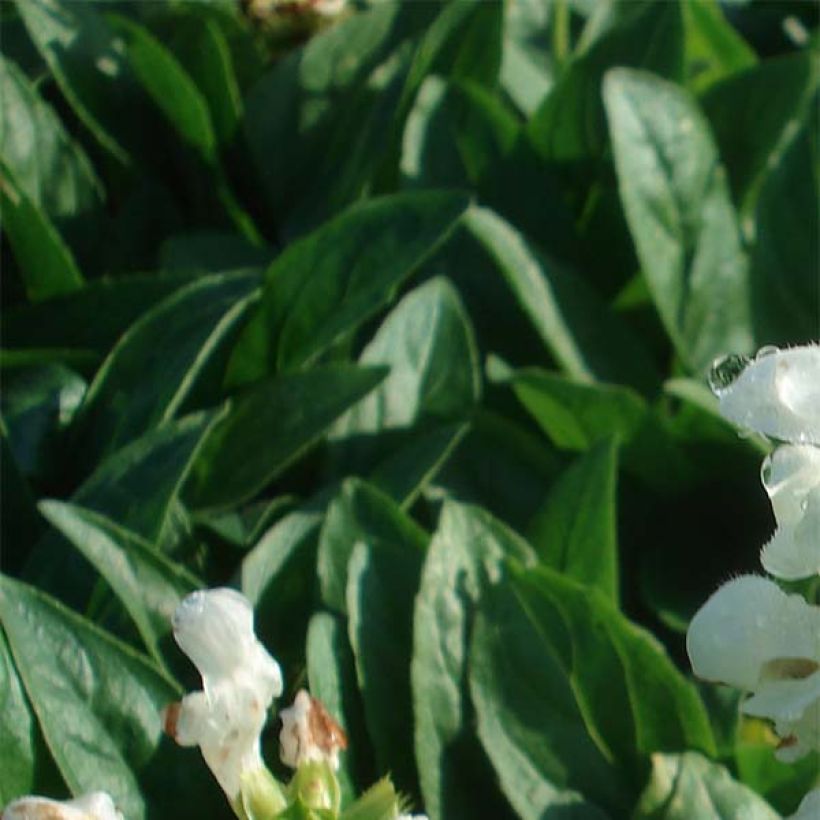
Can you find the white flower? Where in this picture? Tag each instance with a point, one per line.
(239, 680)
(752, 635)
(777, 393)
(412, 817)
(309, 733)
(791, 476)
(809, 808)
(93, 806)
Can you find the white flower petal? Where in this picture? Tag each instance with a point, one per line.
(809, 808)
(93, 806)
(746, 624)
(794, 550)
(799, 737)
(240, 679)
(777, 394)
(784, 701)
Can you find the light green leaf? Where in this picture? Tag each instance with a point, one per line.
(325, 285)
(98, 703)
(575, 531)
(331, 676)
(529, 722)
(17, 750)
(463, 558)
(49, 165)
(382, 579)
(148, 585)
(688, 785)
(269, 426)
(713, 49)
(680, 215)
(583, 335)
(427, 342)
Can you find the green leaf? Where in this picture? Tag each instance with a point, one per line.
(89, 319)
(428, 344)
(689, 785)
(464, 556)
(713, 49)
(576, 415)
(91, 70)
(98, 703)
(203, 49)
(754, 115)
(37, 403)
(156, 363)
(17, 750)
(51, 168)
(569, 124)
(379, 802)
(382, 579)
(325, 285)
(271, 425)
(168, 84)
(358, 513)
(786, 288)
(529, 722)
(680, 215)
(633, 698)
(583, 335)
(575, 531)
(46, 264)
(151, 469)
(148, 585)
(332, 679)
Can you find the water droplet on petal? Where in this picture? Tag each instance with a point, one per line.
(767, 350)
(725, 372)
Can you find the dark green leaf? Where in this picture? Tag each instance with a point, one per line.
(382, 579)
(269, 426)
(92, 318)
(688, 785)
(46, 264)
(464, 555)
(633, 699)
(89, 66)
(754, 115)
(17, 751)
(579, 330)
(325, 285)
(155, 365)
(680, 215)
(569, 124)
(138, 488)
(169, 85)
(575, 531)
(37, 403)
(148, 585)
(786, 287)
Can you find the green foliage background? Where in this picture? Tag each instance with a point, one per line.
(400, 324)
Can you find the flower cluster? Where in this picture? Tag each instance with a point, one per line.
(750, 633)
